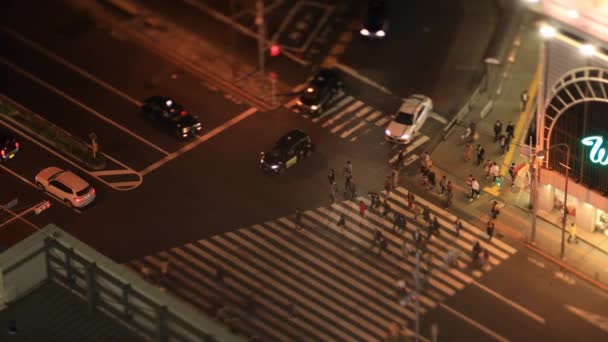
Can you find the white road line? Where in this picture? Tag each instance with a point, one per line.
(71, 66)
(291, 103)
(81, 105)
(439, 118)
(520, 308)
(201, 139)
(410, 159)
(421, 140)
(364, 111)
(536, 262)
(352, 130)
(346, 122)
(343, 101)
(474, 323)
(373, 116)
(360, 77)
(113, 172)
(30, 183)
(383, 121)
(341, 113)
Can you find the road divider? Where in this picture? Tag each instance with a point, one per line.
(51, 134)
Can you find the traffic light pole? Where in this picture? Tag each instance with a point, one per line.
(259, 20)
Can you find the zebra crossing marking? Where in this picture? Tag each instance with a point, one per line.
(340, 291)
(343, 112)
(419, 140)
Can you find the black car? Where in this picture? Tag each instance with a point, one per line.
(172, 116)
(375, 22)
(321, 89)
(9, 146)
(287, 152)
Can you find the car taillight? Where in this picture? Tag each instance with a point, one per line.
(183, 113)
(3, 153)
(17, 145)
(92, 191)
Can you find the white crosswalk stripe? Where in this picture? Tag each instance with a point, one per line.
(419, 140)
(323, 282)
(345, 116)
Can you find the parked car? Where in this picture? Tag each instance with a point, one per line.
(66, 186)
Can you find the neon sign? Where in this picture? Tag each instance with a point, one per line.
(598, 153)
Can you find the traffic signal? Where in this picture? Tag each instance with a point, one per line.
(275, 50)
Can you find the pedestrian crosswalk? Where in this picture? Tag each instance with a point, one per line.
(347, 116)
(323, 281)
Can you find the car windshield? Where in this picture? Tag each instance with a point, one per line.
(84, 191)
(405, 118)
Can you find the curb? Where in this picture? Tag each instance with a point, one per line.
(571, 269)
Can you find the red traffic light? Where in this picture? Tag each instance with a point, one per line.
(275, 50)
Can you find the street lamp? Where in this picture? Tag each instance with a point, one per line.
(541, 155)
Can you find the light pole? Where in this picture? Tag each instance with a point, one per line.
(541, 155)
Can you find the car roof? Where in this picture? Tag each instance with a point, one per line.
(290, 138)
(72, 180)
(411, 103)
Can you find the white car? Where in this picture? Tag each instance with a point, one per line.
(66, 186)
(408, 120)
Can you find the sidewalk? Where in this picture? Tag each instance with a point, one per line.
(514, 222)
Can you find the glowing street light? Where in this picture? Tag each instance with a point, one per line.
(587, 49)
(547, 31)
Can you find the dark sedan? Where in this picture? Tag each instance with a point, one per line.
(171, 116)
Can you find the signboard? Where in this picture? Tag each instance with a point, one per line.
(597, 153)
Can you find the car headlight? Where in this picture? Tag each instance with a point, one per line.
(274, 167)
(405, 136)
(387, 132)
(380, 33)
(185, 129)
(314, 107)
(364, 32)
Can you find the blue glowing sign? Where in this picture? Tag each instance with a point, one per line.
(598, 153)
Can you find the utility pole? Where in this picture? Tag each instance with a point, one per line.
(417, 294)
(259, 21)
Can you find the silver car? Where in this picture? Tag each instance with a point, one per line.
(408, 120)
(65, 185)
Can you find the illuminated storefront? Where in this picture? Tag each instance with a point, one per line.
(573, 110)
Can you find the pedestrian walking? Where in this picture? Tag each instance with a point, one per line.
(386, 208)
(396, 221)
(417, 237)
(486, 167)
(348, 168)
(480, 154)
(362, 208)
(512, 173)
(411, 200)
(341, 222)
(430, 180)
(332, 192)
(497, 130)
(490, 229)
(388, 186)
(394, 177)
(494, 171)
(352, 189)
(400, 160)
(468, 151)
(427, 163)
(449, 196)
(572, 234)
(443, 183)
(458, 226)
(298, 219)
(524, 99)
(507, 143)
(331, 177)
(474, 190)
(494, 210)
(377, 238)
(510, 130)
(503, 143)
(426, 214)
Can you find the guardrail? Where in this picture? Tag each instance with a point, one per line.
(51, 254)
(464, 110)
(50, 133)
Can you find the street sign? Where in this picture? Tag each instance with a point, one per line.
(11, 204)
(42, 207)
